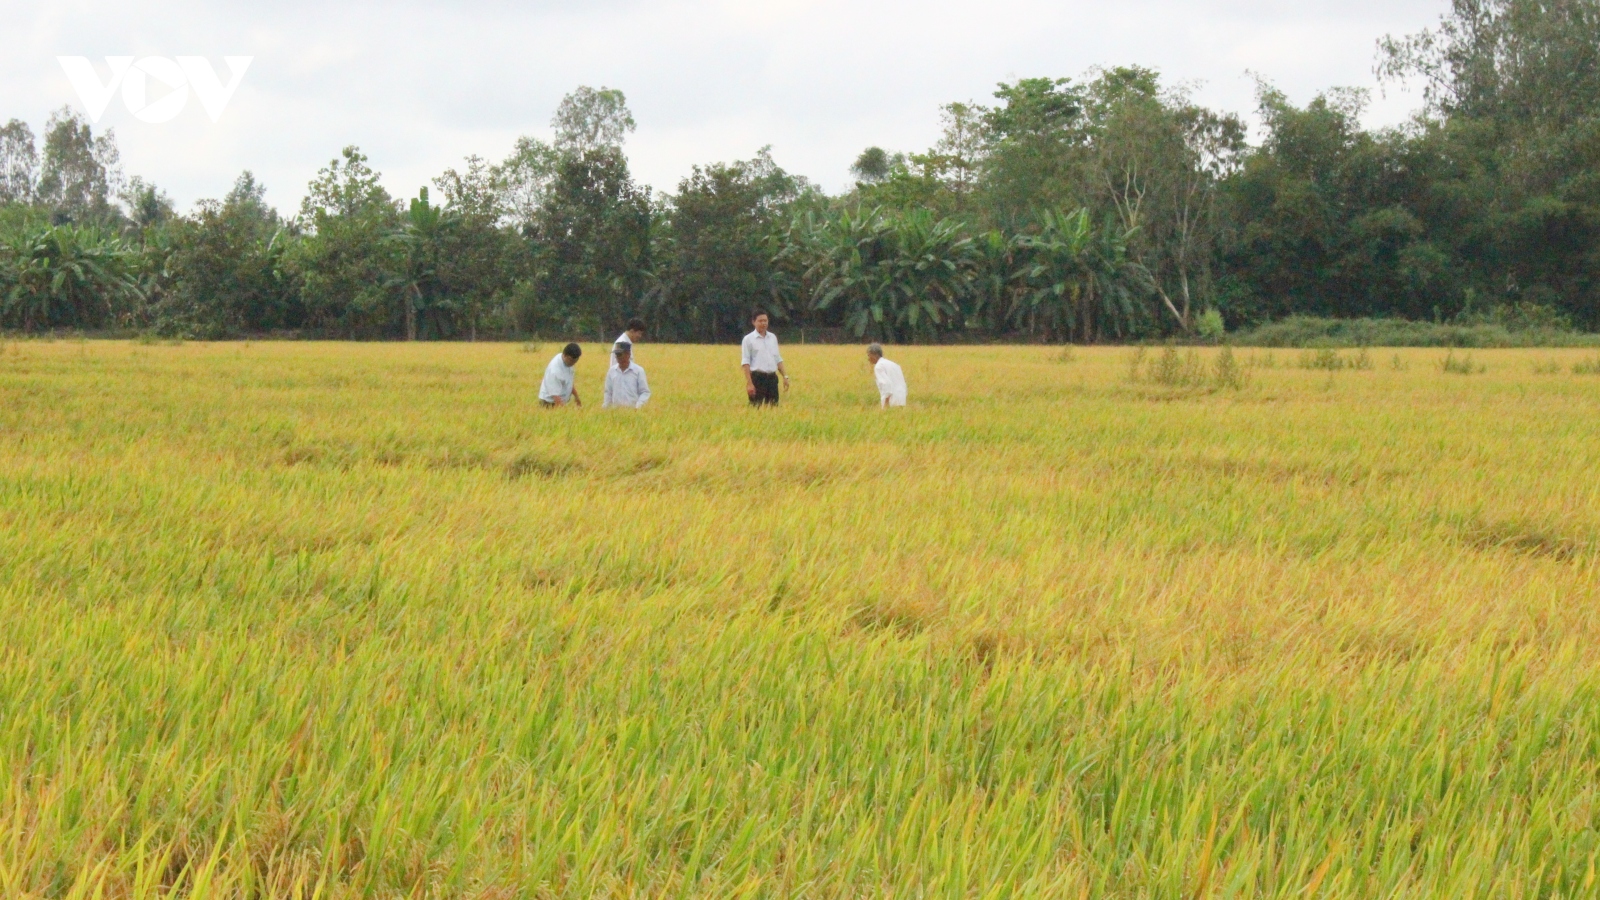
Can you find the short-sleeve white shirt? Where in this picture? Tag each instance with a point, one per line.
(624, 339)
(760, 353)
(558, 381)
(891, 382)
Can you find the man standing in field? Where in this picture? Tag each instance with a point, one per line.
(626, 385)
(891, 379)
(560, 383)
(762, 363)
(632, 336)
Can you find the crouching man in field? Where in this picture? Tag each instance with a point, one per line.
(891, 379)
(560, 384)
(626, 385)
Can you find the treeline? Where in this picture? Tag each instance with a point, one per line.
(1109, 208)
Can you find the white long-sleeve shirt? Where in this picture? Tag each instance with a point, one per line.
(626, 387)
(891, 383)
(559, 379)
(760, 352)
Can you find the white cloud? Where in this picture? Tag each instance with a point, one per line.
(420, 85)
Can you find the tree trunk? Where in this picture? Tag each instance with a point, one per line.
(1183, 274)
(411, 313)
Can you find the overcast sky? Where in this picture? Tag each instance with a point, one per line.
(418, 85)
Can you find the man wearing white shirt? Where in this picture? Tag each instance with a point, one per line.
(762, 363)
(631, 337)
(560, 383)
(891, 379)
(626, 386)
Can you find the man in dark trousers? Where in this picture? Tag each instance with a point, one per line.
(762, 363)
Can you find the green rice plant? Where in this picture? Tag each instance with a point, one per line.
(1587, 366)
(1136, 361)
(1546, 367)
(1174, 369)
(1324, 359)
(1462, 365)
(1226, 371)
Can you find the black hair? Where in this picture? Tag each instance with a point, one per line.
(758, 314)
(572, 350)
(636, 325)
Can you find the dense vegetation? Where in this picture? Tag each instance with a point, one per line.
(1108, 208)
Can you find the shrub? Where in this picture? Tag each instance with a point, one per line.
(1461, 365)
(1173, 369)
(1310, 331)
(1226, 371)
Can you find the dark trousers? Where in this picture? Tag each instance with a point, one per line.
(766, 388)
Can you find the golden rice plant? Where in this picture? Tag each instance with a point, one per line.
(336, 621)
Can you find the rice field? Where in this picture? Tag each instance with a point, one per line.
(351, 620)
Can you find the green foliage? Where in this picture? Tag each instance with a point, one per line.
(227, 269)
(1226, 371)
(889, 277)
(1461, 365)
(1076, 279)
(1109, 208)
(346, 263)
(1329, 360)
(1587, 367)
(66, 276)
(1311, 331)
(78, 172)
(873, 165)
(592, 239)
(718, 256)
(1174, 369)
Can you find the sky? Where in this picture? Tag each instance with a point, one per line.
(418, 86)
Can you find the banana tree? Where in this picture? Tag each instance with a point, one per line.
(67, 276)
(891, 276)
(927, 273)
(418, 240)
(1053, 273)
(1076, 280)
(846, 253)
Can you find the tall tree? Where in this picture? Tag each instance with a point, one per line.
(1036, 150)
(1511, 87)
(227, 267)
(1159, 160)
(717, 261)
(348, 267)
(19, 162)
(592, 237)
(80, 174)
(589, 120)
